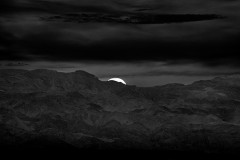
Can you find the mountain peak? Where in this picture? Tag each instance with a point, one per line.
(45, 80)
(84, 73)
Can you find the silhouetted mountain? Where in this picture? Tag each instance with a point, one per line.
(43, 108)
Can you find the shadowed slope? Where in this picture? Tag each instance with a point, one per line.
(84, 112)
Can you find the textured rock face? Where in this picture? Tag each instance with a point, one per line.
(76, 109)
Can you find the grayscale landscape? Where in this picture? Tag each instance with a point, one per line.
(120, 79)
(78, 110)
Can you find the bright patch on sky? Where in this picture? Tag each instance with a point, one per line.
(117, 80)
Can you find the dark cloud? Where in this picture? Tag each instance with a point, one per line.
(7, 5)
(25, 37)
(52, 44)
(16, 6)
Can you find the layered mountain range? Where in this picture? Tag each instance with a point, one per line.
(42, 108)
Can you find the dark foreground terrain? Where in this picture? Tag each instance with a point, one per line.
(75, 114)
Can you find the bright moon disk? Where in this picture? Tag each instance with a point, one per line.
(117, 80)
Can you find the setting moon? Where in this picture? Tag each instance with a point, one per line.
(117, 80)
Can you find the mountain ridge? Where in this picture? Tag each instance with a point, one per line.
(82, 111)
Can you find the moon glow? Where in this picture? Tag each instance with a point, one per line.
(117, 80)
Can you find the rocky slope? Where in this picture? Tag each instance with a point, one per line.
(43, 108)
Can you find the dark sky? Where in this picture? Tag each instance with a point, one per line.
(213, 44)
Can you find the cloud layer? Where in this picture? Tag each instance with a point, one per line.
(24, 36)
